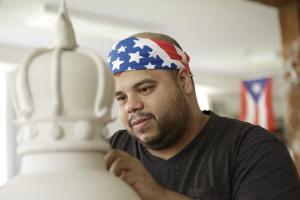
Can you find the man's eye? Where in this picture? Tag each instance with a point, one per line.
(142, 90)
(121, 98)
(145, 90)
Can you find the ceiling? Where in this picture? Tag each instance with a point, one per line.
(226, 40)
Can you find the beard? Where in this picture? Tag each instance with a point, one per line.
(169, 127)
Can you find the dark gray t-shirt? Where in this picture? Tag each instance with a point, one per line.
(228, 159)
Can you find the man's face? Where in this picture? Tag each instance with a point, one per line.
(152, 106)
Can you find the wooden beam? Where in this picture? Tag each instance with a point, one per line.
(276, 3)
(289, 17)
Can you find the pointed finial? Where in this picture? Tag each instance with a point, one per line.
(64, 36)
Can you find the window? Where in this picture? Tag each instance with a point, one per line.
(202, 93)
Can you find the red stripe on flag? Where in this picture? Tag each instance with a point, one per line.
(256, 120)
(243, 103)
(270, 119)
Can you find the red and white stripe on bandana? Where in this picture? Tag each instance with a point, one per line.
(142, 53)
(174, 52)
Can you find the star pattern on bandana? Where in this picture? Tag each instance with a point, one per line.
(135, 57)
(152, 54)
(166, 63)
(139, 43)
(121, 49)
(150, 66)
(117, 63)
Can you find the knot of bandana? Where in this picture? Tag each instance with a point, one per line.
(142, 53)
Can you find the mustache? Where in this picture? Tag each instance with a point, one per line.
(139, 115)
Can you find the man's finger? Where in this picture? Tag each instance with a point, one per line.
(118, 166)
(111, 156)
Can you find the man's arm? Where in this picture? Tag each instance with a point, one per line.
(132, 171)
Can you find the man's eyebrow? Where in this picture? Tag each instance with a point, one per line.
(118, 93)
(138, 84)
(142, 82)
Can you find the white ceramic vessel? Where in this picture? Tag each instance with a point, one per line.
(63, 97)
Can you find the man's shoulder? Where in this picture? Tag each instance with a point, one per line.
(236, 126)
(235, 132)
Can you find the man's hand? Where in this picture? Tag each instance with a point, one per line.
(136, 175)
(133, 173)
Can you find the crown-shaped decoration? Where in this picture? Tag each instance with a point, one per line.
(63, 96)
(63, 99)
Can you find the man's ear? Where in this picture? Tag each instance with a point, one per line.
(185, 81)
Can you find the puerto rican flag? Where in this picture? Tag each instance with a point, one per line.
(256, 103)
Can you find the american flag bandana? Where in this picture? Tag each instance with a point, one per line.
(142, 53)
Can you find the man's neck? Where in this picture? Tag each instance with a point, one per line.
(198, 123)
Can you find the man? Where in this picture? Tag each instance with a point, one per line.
(171, 149)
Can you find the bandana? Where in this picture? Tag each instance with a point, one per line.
(142, 53)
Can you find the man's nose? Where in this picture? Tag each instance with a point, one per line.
(134, 104)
